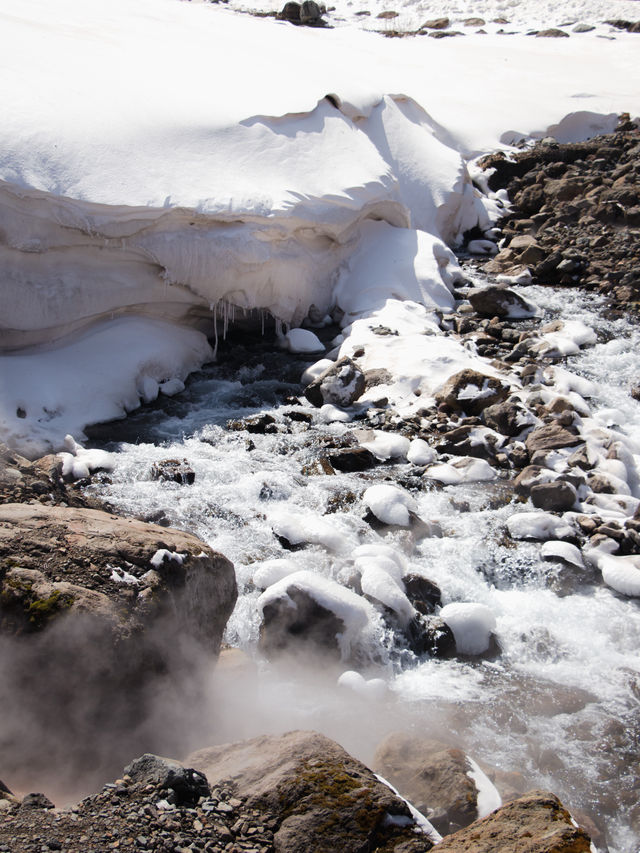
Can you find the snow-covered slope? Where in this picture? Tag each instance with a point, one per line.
(160, 158)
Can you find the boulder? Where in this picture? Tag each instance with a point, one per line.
(538, 817)
(508, 418)
(352, 459)
(558, 496)
(88, 547)
(430, 635)
(298, 624)
(99, 616)
(318, 797)
(471, 392)
(551, 437)
(341, 385)
(494, 301)
(432, 775)
(423, 594)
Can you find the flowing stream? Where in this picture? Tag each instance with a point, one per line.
(559, 708)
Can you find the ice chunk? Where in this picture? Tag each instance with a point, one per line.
(564, 551)
(271, 571)
(387, 445)
(371, 688)
(420, 453)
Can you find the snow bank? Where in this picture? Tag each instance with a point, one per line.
(47, 393)
(137, 185)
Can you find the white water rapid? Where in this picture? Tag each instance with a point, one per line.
(559, 705)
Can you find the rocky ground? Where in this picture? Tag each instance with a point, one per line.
(575, 219)
(298, 793)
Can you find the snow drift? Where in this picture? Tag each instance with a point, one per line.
(179, 162)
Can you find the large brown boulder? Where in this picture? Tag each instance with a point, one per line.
(551, 437)
(432, 775)
(105, 623)
(318, 796)
(137, 569)
(535, 823)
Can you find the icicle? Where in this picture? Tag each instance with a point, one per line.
(225, 315)
(262, 321)
(215, 331)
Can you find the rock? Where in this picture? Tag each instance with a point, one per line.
(494, 301)
(290, 12)
(318, 797)
(199, 588)
(436, 24)
(552, 33)
(430, 635)
(257, 424)
(471, 392)
(558, 496)
(310, 13)
(36, 801)
(305, 629)
(423, 594)
(352, 459)
(432, 776)
(173, 471)
(538, 817)
(474, 22)
(531, 476)
(551, 437)
(340, 385)
(93, 640)
(187, 784)
(508, 418)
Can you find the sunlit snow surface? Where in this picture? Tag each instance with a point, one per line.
(568, 669)
(180, 158)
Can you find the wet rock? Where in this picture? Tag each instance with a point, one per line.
(318, 797)
(531, 476)
(495, 301)
(551, 437)
(558, 496)
(471, 392)
(387, 15)
(310, 13)
(423, 594)
(173, 471)
(430, 635)
(306, 629)
(290, 12)
(340, 385)
(352, 459)
(432, 776)
(538, 817)
(257, 424)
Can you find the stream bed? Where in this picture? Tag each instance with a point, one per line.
(557, 708)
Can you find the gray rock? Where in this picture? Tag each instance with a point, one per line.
(508, 418)
(307, 629)
(436, 24)
(187, 784)
(36, 801)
